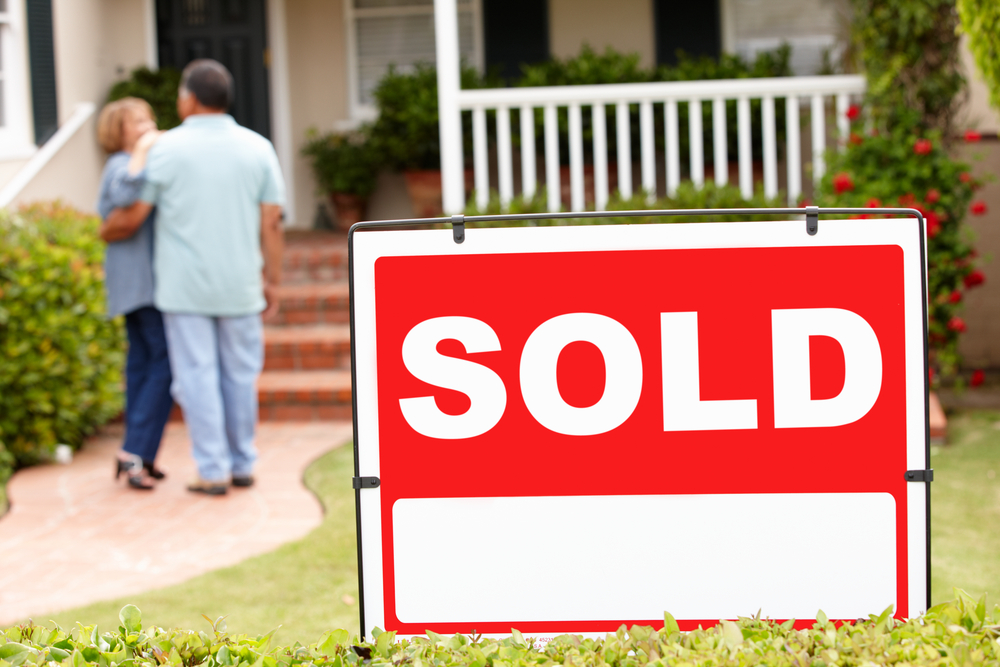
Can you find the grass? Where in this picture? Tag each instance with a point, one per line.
(300, 586)
(965, 507)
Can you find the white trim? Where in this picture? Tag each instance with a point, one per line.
(149, 29)
(16, 134)
(727, 20)
(281, 107)
(81, 114)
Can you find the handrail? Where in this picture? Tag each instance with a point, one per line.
(81, 114)
(658, 91)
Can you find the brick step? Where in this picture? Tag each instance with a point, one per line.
(320, 303)
(300, 396)
(315, 259)
(308, 347)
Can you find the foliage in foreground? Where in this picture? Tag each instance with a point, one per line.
(60, 376)
(958, 632)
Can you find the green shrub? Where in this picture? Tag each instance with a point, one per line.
(960, 632)
(343, 162)
(158, 87)
(981, 22)
(60, 358)
(686, 197)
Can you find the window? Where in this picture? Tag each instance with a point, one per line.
(400, 33)
(15, 139)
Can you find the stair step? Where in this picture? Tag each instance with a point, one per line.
(318, 258)
(311, 347)
(319, 303)
(304, 395)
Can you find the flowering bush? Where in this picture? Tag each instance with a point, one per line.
(908, 168)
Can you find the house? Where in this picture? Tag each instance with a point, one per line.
(313, 63)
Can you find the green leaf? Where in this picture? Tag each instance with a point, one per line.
(670, 623)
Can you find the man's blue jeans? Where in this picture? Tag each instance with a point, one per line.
(215, 363)
(147, 383)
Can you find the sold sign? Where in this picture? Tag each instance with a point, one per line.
(578, 427)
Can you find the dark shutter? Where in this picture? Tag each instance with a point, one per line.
(693, 27)
(41, 52)
(515, 32)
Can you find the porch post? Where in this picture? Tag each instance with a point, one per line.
(449, 116)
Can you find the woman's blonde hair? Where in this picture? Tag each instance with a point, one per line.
(111, 122)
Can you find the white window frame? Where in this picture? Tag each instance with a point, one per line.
(15, 135)
(363, 112)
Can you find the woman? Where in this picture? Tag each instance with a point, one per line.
(126, 130)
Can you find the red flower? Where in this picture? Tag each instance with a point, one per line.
(978, 207)
(855, 139)
(930, 375)
(933, 196)
(842, 183)
(978, 377)
(955, 297)
(933, 224)
(853, 112)
(861, 216)
(908, 200)
(874, 203)
(956, 323)
(805, 202)
(965, 177)
(923, 146)
(974, 278)
(972, 136)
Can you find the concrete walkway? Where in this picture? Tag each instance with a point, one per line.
(73, 536)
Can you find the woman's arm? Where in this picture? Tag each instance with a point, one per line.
(138, 160)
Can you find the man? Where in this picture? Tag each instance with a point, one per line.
(219, 195)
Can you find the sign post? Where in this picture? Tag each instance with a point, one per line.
(563, 429)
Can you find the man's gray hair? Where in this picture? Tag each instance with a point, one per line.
(210, 82)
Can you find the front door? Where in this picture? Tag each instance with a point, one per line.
(230, 31)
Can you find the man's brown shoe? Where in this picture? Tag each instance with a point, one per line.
(243, 481)
(207, 487)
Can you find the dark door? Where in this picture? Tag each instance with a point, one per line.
(230, 31)
(692, 27)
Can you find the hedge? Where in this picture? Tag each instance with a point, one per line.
(958, 632)
(60, 357)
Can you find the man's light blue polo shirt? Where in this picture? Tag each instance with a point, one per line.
(208, 178)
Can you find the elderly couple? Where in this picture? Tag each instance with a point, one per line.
(192, 218)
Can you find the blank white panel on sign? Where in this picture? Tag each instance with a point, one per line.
(591, 558)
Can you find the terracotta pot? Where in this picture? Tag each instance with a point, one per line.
(424, 188)
(348, 209)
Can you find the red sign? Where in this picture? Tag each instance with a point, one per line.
(723, 382)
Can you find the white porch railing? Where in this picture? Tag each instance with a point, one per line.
(795, 91)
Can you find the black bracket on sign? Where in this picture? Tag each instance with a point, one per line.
(365, 482)
(920, 475)
(458, 228)
(812, 220)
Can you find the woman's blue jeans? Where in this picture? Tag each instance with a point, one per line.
(147, 383)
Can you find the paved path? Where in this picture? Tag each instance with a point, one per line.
(73, 536)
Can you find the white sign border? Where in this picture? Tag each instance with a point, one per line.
(368, 245)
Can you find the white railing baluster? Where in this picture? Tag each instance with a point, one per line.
(818, 118)
(624, 140)
(794, 149)
(720, 148)
(695, 139)
(673, 166)
(529, 179)
(744, 139)
(505, 166)
(552, 159)
(480, 158)
(600, 123)
(843, 122)
(575, 158)
(770, 148)
(648, 155)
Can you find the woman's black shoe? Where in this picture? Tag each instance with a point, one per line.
(133, 470)
(152, 470)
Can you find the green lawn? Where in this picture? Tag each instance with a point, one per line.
(965, 507)
(301, 586)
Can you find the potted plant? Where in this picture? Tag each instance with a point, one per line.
(406, 133)
(346, 168)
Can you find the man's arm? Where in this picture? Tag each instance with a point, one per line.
(124, 222)
(272, 244)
